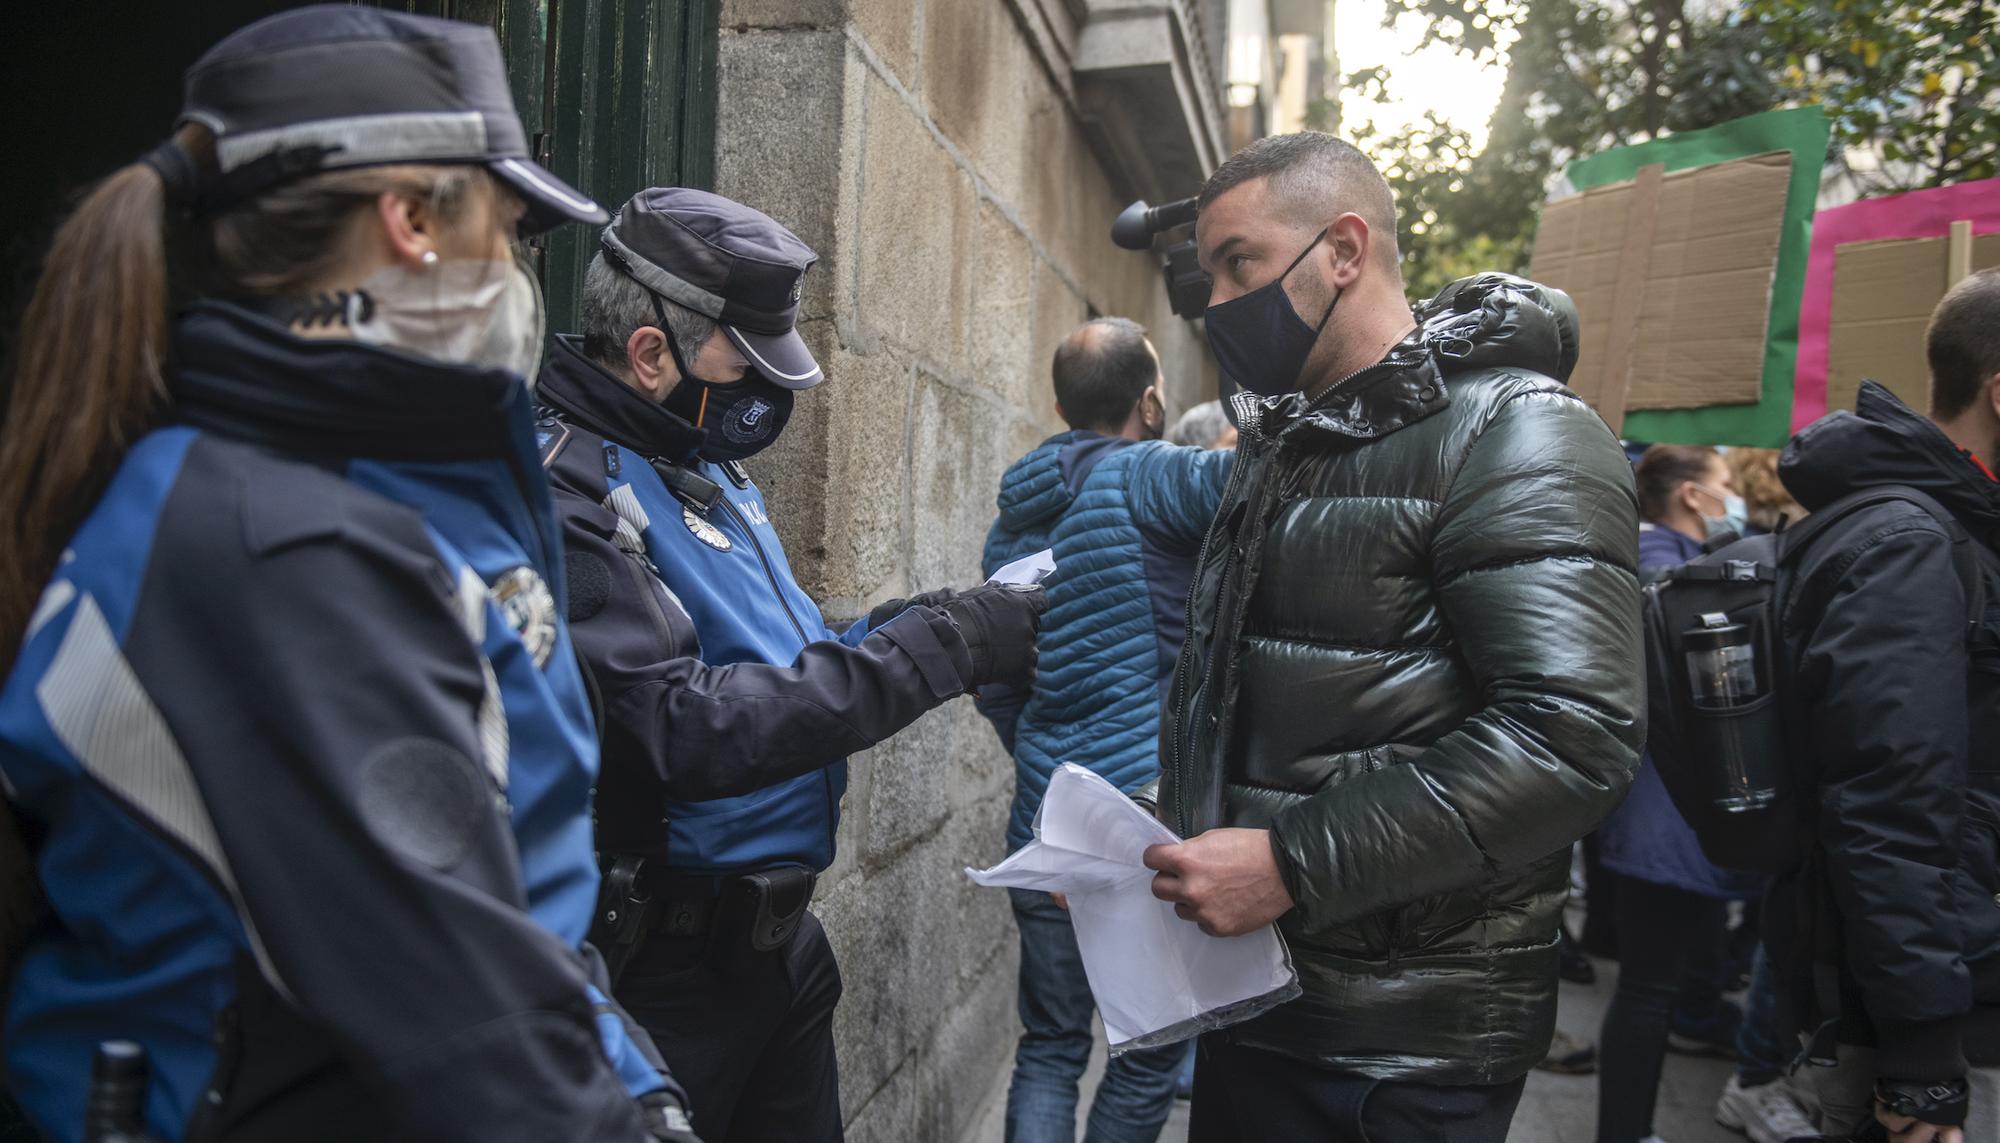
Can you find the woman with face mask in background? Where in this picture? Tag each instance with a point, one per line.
(1671, 902)
(292, 724)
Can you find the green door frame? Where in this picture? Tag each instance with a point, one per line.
(617, 96)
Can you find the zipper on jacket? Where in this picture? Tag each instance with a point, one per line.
(1250, 411)
(1250, 414)
(778, 589)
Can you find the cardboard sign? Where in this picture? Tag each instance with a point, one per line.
(1713, 338)
(1672, 279)
(1883, 295)
(1876, 270)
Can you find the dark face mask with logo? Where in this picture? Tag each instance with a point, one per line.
(1259, 340)
(738, 419)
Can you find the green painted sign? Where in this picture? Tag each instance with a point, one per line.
(1802, 131)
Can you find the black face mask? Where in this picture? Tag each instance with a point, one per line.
(738, 420)
(1259, 340)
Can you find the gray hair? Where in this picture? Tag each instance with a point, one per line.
(1200, 426)
(615, 305)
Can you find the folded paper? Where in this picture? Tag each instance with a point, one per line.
(1157, 979)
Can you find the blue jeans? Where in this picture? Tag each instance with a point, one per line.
(1759, 1058)
(1138, 1089)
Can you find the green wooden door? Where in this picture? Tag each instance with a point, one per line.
(617, 96)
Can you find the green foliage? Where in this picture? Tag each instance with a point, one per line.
(1917, 83)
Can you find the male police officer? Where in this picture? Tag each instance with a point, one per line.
(723, 773)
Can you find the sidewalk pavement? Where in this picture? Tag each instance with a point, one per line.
(1555, 1109)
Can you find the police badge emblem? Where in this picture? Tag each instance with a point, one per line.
(529, 607)
(704, 531)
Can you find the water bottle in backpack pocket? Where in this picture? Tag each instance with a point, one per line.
(1716, 729)
(1733, 711)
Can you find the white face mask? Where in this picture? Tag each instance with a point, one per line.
(473, 311)
(1735, 513)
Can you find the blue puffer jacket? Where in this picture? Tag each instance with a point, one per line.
(1125, 519)
(1646, 837)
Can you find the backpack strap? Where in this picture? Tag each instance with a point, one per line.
(1964, 557)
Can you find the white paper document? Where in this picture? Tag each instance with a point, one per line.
(1027, 569)
(1156, 978)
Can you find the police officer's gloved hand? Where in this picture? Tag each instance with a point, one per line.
(889, 609)
(998, 623)
(666, 1118)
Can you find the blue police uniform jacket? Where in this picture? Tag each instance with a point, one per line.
(305, 758)
(733, 761)
(1125, 519)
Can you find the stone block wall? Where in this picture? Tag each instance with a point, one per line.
(925, 150)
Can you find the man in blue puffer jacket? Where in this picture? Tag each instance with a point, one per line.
(1125, 514)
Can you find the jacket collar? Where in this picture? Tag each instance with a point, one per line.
(1488, 321)
(587, 395)
(243, 375)
(1401, 389)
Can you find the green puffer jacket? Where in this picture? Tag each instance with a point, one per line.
(1413, 654)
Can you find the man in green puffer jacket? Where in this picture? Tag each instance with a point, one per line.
(1412, 676)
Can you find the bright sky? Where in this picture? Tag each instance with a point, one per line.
(1462, 91)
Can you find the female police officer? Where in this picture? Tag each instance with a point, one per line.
(294, 725)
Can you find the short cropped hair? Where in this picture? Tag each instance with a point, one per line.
(1101, 370)
(1313, 176)
(615, 305)
(1963, 343)
(1663, 470)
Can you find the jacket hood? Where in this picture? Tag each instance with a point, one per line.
(1501, 321)
(1884, 441)
(1041, 485)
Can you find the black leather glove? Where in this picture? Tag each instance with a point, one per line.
(998, 623)
(666, 1119)
(889, 609)
(1940, 1104)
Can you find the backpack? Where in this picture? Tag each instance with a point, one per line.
(1715, 622)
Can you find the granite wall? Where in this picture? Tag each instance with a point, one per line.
(931, 154)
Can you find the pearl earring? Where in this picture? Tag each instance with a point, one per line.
(430, 258)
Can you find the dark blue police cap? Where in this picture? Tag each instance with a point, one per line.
(721, 258)
(331, 87)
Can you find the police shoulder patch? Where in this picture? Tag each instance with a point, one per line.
(530, 608)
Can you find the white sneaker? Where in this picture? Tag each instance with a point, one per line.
(1766, 1113)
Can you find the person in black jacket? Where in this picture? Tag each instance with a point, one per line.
(1899, 902)
(1412, 673)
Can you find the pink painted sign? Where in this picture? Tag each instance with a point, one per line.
(1917, 214)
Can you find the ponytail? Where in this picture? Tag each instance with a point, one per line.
(87, 381)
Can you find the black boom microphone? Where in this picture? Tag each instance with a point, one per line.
(1135, 228)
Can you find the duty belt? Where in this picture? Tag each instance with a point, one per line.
(759, 910)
